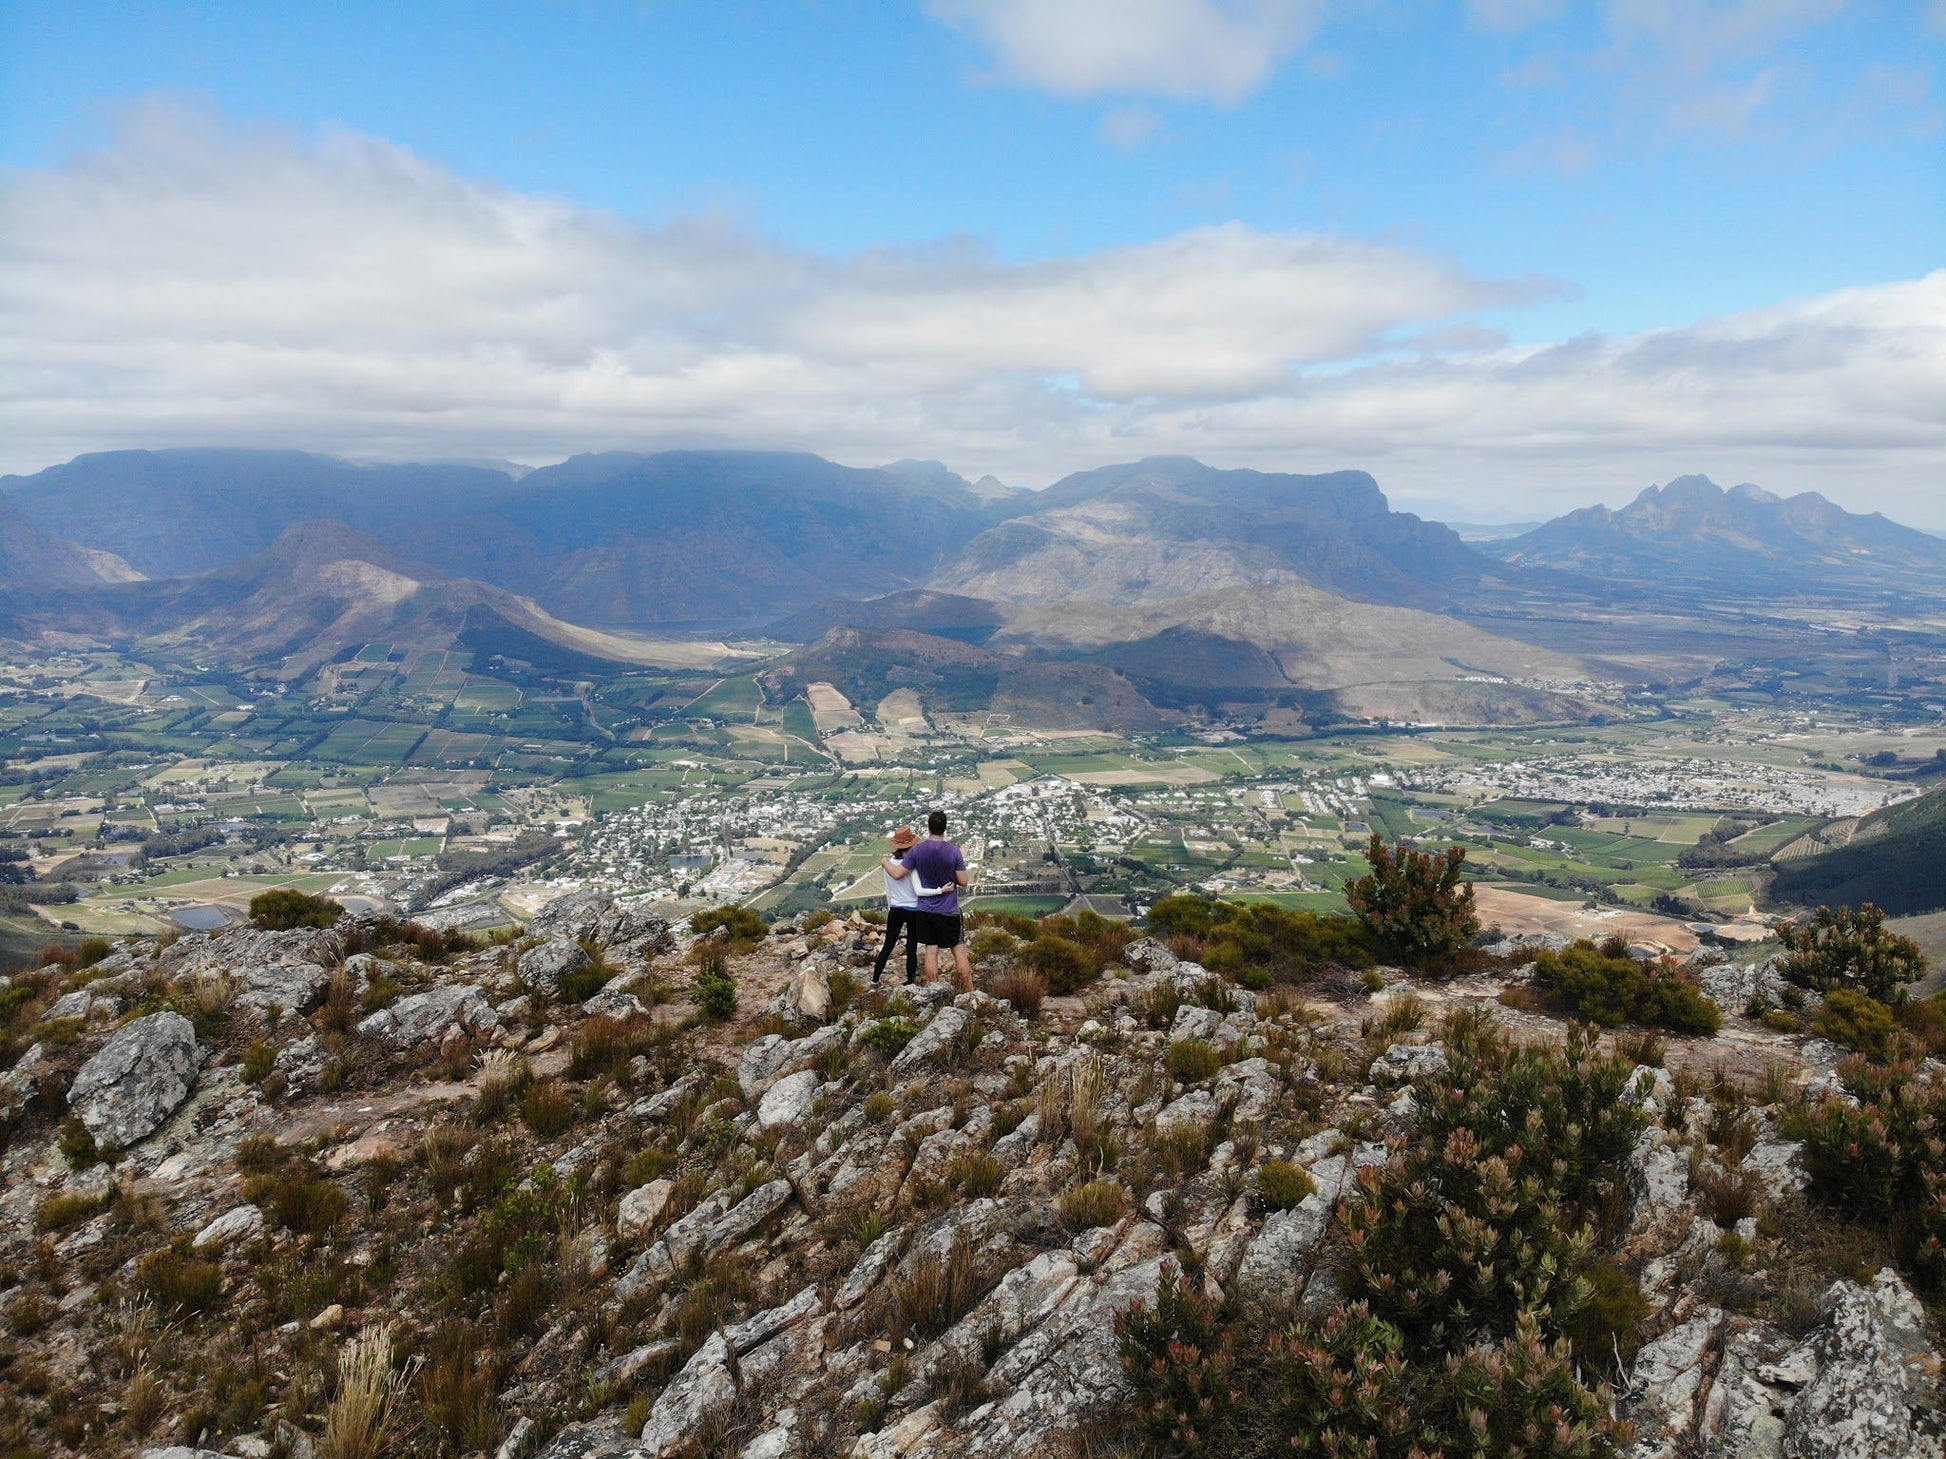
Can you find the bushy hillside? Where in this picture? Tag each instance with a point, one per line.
(1896, 859)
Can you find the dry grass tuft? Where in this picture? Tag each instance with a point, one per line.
(1023, 988)
(937, 1293)
(361, 1416)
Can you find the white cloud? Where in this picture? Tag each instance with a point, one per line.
(1509, 17)
(201, 284)
(1128, 127)
(1698, 35)
(1186, 50)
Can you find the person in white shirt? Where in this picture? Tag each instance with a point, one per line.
(901, 901)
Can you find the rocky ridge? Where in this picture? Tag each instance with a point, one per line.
(845, 1221)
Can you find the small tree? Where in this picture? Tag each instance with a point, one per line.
(1416, 903)
(1848, 947)
(282, 908)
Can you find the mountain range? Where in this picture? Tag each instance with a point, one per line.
(1116, 595)
(616, 538)
(1744, 542)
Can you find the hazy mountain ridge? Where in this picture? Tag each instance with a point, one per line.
(956, 677)
(35, 560)
(1736, 541)
(320, 592)
(945, 615)
(611, 538)
(1191, 588)
(1171, 527)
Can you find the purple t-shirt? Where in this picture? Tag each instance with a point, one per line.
(934, 864)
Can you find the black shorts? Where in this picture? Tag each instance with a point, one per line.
(938, 929)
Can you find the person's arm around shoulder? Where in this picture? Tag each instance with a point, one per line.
(896, 869)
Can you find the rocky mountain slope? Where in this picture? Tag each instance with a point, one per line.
(367, 1190)
(320, 592)
(1744, 542)
(1171, 527)
(33, 561)
(1259, 651)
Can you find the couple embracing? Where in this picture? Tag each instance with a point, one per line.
(923, 878)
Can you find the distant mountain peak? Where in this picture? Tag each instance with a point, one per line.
(1743, 542)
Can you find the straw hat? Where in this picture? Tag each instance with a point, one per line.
(903, 837)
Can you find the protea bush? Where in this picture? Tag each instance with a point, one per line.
(1470, 1263)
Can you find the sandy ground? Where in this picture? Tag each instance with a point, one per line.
(1518, 912)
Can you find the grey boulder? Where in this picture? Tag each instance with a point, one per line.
(543, 967)
(137, 1079)
(433, 1016)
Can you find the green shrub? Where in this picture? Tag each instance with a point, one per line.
(1063, 962)
(1210, 1385)
(740, 924)
(990, 944)
(1416, 903)
(1848, 947)
(1883, 1162)
(306, 1203)
(1611, 1322)
(1281, 1186)
(1485, 1212)
(1471, 1284)
(57, 1213)
(1611, 988)
(258, 1060)
(645, 1166)
(547, 1108)
(76, 1144)
(583, 982)
(1193, 1060)
(382, 992)
(1098, 1203)
(1858, 1021)
(844, 987)
(282, 908)
(716, 995)
(177, 1282)
(1259, 943)
(1022, 927)
(889, 1035)
(974, 1173)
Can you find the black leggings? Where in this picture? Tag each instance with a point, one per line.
(897, 920)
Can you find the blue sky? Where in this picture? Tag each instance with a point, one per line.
(1513, 175)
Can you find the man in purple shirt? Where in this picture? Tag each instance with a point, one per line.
(940, 869)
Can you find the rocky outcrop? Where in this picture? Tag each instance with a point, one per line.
(1864, 1384)
(139, 1078)
(288, 971)
(624, 934)
(433, 1017)
(765, 1237)
(543, 967)
(1877, 1380)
